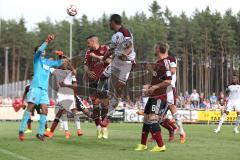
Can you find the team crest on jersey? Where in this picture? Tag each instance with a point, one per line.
(46, 67)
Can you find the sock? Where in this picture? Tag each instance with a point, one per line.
(65, 125)
(156, 134)
(237, 122)
(42, 122)
(65, 122)
(166, 125)
(25, 118)
(222, 119)
(77, 121)
(54, 125)
(61, 123)
(178, 122)
(145, 132)
(99, 128)
(29, 124)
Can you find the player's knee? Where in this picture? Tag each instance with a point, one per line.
(173, 109)
(64, 117)
(30, 107)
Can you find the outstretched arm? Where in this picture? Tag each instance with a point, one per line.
(43, 46)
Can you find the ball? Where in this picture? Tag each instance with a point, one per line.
(72, 10)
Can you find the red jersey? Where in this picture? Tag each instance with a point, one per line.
(161, 73)
(94, 63)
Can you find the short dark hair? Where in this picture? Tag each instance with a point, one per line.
(163, 47)
(116, 18)
(91, 36)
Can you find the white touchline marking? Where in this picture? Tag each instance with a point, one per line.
(14, 155)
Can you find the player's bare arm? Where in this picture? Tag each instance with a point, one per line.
(151, 89)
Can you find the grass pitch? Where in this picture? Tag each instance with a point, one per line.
(201, 144)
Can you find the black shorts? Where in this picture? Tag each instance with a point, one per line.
(163, 109)
(37, 108)
(80, 106)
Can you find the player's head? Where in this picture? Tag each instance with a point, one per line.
(65, 63)
(115, 21)
(235, 79)
(36, 49)
(92, 42)
(161, 48)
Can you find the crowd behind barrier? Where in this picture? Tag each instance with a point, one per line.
(193, 108)
(193, 101)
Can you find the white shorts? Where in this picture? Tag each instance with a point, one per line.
(119, 68)
(66, 102)
(233, 105)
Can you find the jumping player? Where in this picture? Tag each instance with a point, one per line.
(94, 68)
(38, 92)
(233, 103)
(158, 90)
(124, 57)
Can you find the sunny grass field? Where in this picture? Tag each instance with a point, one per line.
(201, 144)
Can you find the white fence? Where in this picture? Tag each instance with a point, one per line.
(13, 90)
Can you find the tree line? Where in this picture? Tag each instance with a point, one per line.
(206, 44)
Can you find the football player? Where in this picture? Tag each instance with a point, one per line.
(233, 103)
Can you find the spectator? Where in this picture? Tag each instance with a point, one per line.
(194, 99)
(138, 103)
(187, 105)
(186, 96)
(207, 104)
(221, 101)
(213, 100)
(129, 102)
(181, 100)
(201, 102)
